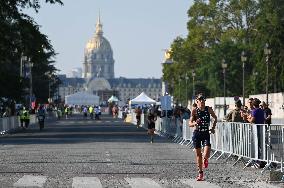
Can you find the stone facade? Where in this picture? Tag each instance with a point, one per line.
(123, 88)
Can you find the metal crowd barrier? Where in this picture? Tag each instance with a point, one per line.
(250, 143)
(12, 123)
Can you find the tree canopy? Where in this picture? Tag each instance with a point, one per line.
(22, 44)
(222, 29)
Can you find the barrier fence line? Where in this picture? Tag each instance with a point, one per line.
(13, 122)
(250, 143)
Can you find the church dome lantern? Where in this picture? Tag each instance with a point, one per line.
(98, 55)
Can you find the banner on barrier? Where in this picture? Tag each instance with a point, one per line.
(166, 102)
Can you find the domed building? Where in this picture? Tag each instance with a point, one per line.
(98, 74)
(98, 57)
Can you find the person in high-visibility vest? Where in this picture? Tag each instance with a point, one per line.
(27, 118)
(91, 111)
(22, 116)
(66, 112)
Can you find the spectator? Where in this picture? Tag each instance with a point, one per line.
(235, 115)
(250, 105)
(257, 114)
(22, 116)
(257, 117)
(97, 112)
(115, 111)
(176, 115)
(26, 117)
(85, 111)
(267, 113)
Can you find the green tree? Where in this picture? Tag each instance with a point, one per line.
(20, 36)
(222, 29)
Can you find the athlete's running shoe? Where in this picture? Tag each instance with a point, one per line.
(200, 176)
(205, 162)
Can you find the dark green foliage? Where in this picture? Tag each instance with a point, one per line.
(222, 29)
(20, 36)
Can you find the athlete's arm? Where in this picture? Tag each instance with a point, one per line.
(192, 120)
(212, 113)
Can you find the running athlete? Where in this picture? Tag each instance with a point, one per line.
(200, 120)
(151, 124)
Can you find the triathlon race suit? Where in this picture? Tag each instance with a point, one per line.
(202, 135)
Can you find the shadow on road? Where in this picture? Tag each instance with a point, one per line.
(79, 130)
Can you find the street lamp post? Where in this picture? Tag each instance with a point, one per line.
(243, 59)
(267, 52)
(22, 61)
(224, 66)
(49, 75)
(49, 89)
(255, 75)
(193, 85)
(31, 82)
(186, 94)
(179, 93)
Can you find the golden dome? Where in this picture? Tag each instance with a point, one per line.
(98, 42)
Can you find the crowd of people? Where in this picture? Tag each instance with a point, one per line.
(255, 112)
(91, 111)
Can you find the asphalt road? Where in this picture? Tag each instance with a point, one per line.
(79, 152)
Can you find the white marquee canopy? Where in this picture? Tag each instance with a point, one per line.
(142, 99)
(82, 98)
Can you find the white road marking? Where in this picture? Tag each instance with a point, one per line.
(142, 183)
(198, 184)
(260, 184)
(30, 181)
(86, 182)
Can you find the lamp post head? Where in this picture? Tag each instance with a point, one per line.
(224, 64)
(243, 57)
(24, 58)
(186, 77)
(193, 73)
(267, 50)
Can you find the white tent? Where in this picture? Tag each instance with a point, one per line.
(142, 99)
(82, 98)
(112, 99)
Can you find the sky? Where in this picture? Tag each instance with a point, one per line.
(138, 32)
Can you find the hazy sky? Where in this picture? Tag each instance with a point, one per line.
(138, 31)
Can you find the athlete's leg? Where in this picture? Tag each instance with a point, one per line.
(207, 150)
(199, 158)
